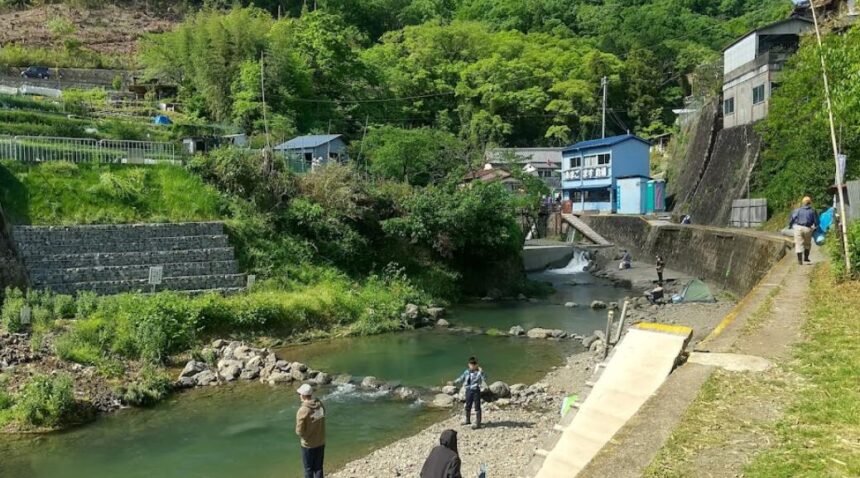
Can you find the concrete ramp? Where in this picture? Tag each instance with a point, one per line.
(637, 368)
(586, 231)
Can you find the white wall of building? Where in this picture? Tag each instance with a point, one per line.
(740, 53)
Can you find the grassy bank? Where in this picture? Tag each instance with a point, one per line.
(820, 432)
(66, 193)
(799, 419)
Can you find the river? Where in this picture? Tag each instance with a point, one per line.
(246, 429)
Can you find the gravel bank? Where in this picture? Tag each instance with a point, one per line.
(506, 443)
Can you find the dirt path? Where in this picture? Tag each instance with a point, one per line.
(731, 419)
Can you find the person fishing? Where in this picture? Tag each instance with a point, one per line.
(626, 260)
(660, 265)
(472, 378)
(444, 461)
(310, 427)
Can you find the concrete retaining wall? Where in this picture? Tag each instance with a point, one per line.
(538, 258)
(736, 260)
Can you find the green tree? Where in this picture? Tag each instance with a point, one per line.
(418, 156)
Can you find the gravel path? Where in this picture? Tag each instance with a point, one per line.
(506, 443)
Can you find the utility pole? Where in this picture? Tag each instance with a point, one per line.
(603, 83)
(263, 96)
(839, 173)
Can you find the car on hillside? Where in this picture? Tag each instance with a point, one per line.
(41, 72)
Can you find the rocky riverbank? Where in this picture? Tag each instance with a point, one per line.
(512, 430)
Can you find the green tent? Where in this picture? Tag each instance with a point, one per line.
(695, 291)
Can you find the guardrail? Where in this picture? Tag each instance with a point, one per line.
(37, 149)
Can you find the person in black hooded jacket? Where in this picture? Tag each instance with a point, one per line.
(443, 462)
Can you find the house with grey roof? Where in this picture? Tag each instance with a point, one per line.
(544, 163)
(316, 148)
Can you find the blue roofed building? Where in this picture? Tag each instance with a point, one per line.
(315, 149)
(590, 170)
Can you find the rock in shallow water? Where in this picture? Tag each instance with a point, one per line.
(516, 331)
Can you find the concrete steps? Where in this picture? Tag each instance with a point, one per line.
(111, 259)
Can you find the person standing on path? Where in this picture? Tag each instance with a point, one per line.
(472, 378)
(660, 265)
(444, 461)
(803, 221)
(310, 427)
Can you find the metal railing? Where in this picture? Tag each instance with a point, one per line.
(589, 172)
(37, 149)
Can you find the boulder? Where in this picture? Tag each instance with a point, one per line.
(278, 377)
(500, 389)
(219, 344)
(282, 365)
(558, 334)
(390, 386)
(371, 383)
(322, 378)
(596, 345)
(406, 393)
(516, 331)
(601, 335)
(598, 304)
(271, 359)
(298, 374)
(449, 390)
(254, 362)
(342, 379)
(587, 341)
(538, 333)
(230, 372)
(266, 371)
(299, 366)
(442, 400)
(613, 305)
(186, 382)
(518, 388)
(411, 311)
(206, 377)
(436, 312)
(442, 323)
(571, 304)
(243, 352)
(192, 368)
(250, 373)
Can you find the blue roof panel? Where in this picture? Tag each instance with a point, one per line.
(603, 142)
(307, 142)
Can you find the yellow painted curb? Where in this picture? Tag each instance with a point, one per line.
(665, 328)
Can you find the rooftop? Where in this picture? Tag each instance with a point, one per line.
(603, 142)
(309, 141)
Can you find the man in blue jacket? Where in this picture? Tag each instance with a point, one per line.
(803, 221)
(472, 378)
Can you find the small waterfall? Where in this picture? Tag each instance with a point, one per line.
(577, 264)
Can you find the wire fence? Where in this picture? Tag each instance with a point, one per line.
(37, 149)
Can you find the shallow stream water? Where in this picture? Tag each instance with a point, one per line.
(246, 429)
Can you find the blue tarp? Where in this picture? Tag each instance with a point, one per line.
(824, 223)
(161, 119)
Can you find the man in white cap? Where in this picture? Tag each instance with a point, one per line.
(310, 427)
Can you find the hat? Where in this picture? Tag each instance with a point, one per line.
(807, 200)
(305, 389)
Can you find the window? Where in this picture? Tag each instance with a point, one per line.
(758, 94)
(576, 162)
(602, 159)
(597, 160)
(590, 195)
(729, 106)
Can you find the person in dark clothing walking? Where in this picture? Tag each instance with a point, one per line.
(444, 461)
(660, 265)
(803, 221)
(472, 378)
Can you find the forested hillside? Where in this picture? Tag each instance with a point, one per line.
(507, 72)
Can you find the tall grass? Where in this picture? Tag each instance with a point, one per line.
(21, 55)
(65, 193)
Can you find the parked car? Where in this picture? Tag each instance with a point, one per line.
(36, 72)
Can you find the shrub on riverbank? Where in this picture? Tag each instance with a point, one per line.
(836, 252)
(44, 401)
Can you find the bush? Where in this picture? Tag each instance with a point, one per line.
(10, 315)
(837, 253)
(150, 388)
(46, 401)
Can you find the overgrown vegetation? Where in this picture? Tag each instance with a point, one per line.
(836, 252)
(45, 401)
(67, 193)
(798, 160)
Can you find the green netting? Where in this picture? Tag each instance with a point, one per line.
(697, 291)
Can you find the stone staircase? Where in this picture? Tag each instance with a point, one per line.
(110, 259)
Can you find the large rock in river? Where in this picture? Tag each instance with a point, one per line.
(516, 331)
(192, 368)
(442, 400)
(538, 333)
(372, 383)
(598, 304)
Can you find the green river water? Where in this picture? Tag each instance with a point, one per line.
(246, 429)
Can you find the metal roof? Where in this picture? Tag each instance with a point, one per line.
(308, 142)
(767, 29)
(603, 142)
